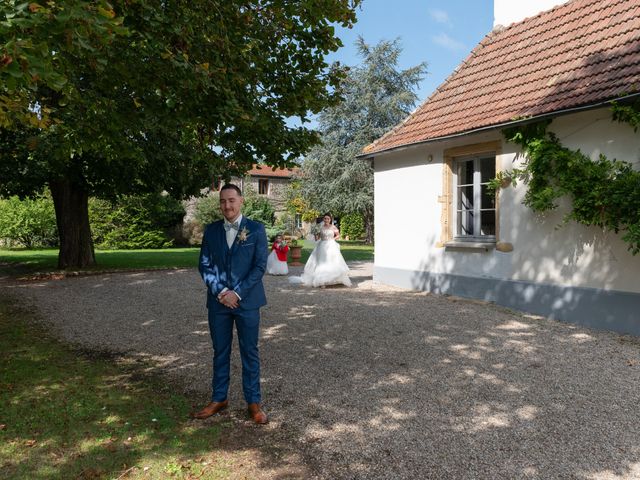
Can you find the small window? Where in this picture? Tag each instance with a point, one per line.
(475, 206)
(263, 186)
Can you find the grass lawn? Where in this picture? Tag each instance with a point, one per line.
(351, 251)
(29, 261)
(66, 416)
(46, 260)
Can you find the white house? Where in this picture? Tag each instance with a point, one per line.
(566, 64)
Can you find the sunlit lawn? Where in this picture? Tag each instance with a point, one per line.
(28, 261)
(67, 416)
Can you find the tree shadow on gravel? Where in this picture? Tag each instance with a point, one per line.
(411, 385)
(380, 383)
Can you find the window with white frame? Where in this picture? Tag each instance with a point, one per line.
(474, 205)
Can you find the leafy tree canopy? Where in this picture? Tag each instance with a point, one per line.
(377, 96)
(135, 96)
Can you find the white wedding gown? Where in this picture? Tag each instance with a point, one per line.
(325, 265)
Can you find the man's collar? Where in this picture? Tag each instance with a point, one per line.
(237, 220)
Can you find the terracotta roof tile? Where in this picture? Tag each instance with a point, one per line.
(266, 171)
(578, 54)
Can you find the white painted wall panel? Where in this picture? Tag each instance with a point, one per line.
(545, 251)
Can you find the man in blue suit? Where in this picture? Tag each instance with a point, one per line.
(233, 259)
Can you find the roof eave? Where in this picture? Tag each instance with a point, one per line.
(498, 126)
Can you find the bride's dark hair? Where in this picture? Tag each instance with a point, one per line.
(328, 215)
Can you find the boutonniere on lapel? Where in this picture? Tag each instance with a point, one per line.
(242, 235)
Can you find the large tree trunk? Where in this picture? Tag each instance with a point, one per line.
(71, 203)
(367, 217)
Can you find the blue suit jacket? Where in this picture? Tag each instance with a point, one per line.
(239, 268)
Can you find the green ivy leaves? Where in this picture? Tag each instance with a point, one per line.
(604, 193)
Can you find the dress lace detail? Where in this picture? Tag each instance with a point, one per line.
(326, 234)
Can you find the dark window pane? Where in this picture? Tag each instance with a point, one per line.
(487, 169)
(263, 186)
(465, 222)
(488, 199)
(465, 173)
(465, 198)
(488, 221)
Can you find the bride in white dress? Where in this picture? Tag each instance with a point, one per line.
(325, 265)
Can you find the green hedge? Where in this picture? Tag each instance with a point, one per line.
(141, 221)
(352, 226)
(29, 223)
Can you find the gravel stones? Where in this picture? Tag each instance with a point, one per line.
(378, 382)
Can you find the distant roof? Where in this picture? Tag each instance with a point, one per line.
(266, 171)
(576, 55)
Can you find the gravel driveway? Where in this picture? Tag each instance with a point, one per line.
(373, 382)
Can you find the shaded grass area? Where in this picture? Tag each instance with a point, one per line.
(21, 262)
(46, 260)
(65, 415)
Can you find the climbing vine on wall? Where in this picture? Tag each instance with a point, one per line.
(629, 113)
(603, 192)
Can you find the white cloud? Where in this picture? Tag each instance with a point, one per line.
(440, 16)
(447, 42)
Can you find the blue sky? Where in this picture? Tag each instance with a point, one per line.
(439, 32)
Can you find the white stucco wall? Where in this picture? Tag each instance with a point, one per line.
(506, 12)
(407, 217)
(406, 182)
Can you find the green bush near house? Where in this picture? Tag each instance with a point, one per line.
(258, 208)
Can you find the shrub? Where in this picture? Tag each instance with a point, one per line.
(352, 226)
(207, 209)
(255, 207)
(258, 208)
(141, 221)
(310, 216)
(30, 222)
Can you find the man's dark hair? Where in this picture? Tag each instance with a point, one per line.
(231, 186)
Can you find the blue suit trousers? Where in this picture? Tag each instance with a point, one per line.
(247, 324)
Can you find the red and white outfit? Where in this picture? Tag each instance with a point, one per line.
(277, 261)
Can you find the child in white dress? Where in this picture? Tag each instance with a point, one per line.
(277, 261)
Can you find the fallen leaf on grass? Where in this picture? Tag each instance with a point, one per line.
(30, 443)
(111, 447)
(91, 474)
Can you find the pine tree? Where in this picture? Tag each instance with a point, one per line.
(377, 96)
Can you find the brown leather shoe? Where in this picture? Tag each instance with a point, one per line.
(257, 414)
(211, 409)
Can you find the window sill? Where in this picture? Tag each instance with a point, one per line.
(478, 246)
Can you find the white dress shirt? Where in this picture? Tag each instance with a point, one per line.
(231, 237)
(232, 232)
